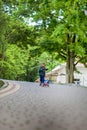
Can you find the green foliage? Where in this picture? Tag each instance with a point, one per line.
(15, 62)
(59, 25)
(20, 34)
(80, 51)
(71, 23)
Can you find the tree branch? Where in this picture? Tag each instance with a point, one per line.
(82, 58)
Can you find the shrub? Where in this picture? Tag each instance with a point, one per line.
(1, 83)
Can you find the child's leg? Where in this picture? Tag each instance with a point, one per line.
(43, 80)
(40, 80)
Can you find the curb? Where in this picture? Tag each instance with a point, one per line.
(9, 90)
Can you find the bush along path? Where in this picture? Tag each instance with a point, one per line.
(1, 83)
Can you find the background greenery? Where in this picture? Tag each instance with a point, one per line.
(35, 31)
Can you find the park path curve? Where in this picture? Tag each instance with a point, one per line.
(58, 107)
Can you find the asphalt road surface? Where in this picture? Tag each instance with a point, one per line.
(32, 107)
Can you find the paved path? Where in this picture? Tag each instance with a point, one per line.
(8, 88)
(58, 107)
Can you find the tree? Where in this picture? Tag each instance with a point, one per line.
(72, 27)
(18, 36)
(63, 29)
(3, 27)
(60, 26)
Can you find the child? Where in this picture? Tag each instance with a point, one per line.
(42, 71)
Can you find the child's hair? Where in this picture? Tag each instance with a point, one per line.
(43, 63)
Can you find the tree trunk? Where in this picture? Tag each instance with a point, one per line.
(70, 67)
(69, 63)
